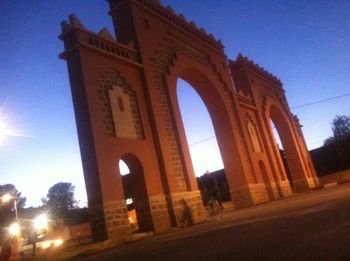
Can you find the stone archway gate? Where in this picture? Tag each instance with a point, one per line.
(125, 103)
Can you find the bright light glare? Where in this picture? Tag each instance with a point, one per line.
(40, 222)
(14, 229)
(49, 243)
(129, 201)
(6, 131)
(58, 242)
(45, 244)
(6, 197)
(131, 221)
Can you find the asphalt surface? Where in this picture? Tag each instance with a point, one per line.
(309, 226)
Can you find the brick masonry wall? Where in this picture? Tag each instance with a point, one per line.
(117, 223)
(160, 213)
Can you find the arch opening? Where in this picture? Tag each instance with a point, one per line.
(288, 151)
(281, 153)
(202, 144)
(200, 134)
(135, 193)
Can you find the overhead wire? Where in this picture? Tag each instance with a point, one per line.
(293, 107)
(320, 101)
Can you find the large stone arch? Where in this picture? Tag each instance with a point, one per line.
(125, 102)
(218, 101)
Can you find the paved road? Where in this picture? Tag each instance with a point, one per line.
(311, 226)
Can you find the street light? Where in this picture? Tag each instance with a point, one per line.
(7, 197)
(14, 230)
(40, 222)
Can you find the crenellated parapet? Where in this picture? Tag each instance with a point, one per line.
(75, 34)
(178, 21)
(242, 62)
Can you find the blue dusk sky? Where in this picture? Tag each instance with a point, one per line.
(304, 43)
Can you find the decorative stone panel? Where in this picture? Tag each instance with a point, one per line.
(108, 86)
(253, 135)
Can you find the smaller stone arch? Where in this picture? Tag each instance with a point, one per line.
(137, 190)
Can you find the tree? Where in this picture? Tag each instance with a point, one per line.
(340, 128)
(7, 214)
(340, 141)
(60, 198)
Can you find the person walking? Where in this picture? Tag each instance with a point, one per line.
(186, 218)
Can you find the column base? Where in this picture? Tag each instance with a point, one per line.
(117, 222)
(160, 213)
(194, 201)
(285, 188)
(273, 191)
(313, 182)
(250, 195)
(97, 223)
(300, 185)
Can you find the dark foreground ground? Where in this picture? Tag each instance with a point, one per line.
(310, 226)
